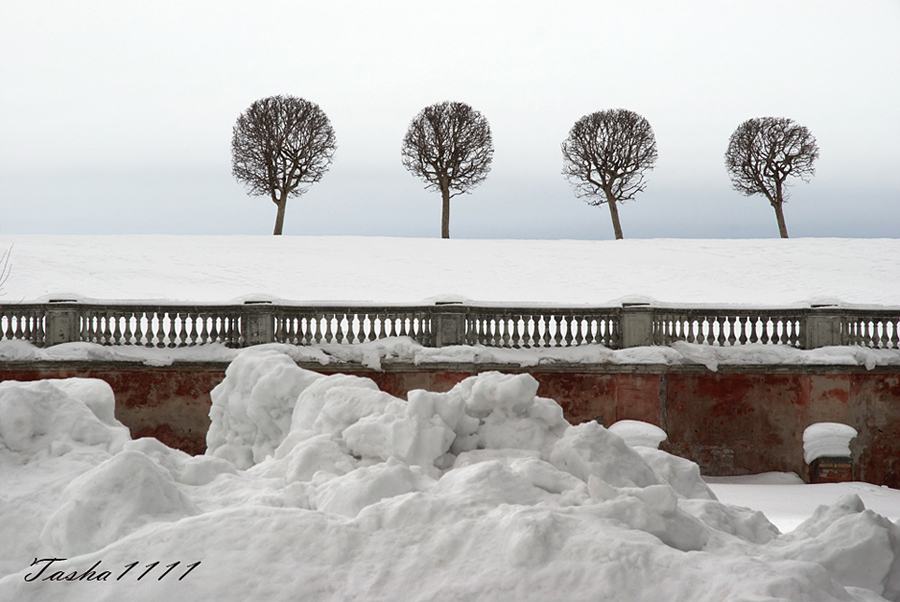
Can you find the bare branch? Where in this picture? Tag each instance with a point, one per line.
(280, 146)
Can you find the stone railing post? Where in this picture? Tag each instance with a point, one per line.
(823, 326)
(63, 322)
(257, 323)
(449, 324)
(636, 326)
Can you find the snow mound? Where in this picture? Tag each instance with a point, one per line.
(589, 450)
(858, 547)
(824, 439)
(52, 417)
(636, 432)
(112, 500)
(252, 407)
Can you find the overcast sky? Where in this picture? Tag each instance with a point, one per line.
(116, 117)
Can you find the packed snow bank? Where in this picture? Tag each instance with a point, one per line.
(483, 492)
(827, 439)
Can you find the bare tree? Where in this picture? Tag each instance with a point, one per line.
(449, 146)
(605, 157)
(763, 152)
(280, 144)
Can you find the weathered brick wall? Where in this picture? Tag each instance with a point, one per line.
(734, 421)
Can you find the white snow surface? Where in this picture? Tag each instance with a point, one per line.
(342, 491)
(827, 439)
(305, 269)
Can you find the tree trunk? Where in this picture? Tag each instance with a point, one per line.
(279, 218)
(445, 211)
(779, 215)
(614, 212)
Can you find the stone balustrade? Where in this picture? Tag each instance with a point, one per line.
(440, 325)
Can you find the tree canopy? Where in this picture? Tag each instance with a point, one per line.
(763, 153)
(605, 157)
(449, 146)
(280, 146)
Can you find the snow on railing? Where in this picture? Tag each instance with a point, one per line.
(442, 324)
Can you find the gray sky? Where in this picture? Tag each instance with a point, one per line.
(116, 117)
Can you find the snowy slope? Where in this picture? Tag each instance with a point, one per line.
(218, 269)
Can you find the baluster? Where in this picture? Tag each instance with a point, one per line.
(721, 324)
(895, 337)
(190, 324)
(160, 334)
(367, 327)
(127, 331)
(731, 324)
(315, 332)
(26, 325)
(117, 330)
(752, 335)
(574, 330)
(514, 330)
(16, 327)
(213, 333)
(186, 322)
(176, 327)
(540, 331)
(557, 336)
(329, 330)
(338, 328)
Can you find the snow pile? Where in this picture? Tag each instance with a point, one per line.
(251, 409)
(827, 439)
(50, 417)
(482, 492)
(639, 433)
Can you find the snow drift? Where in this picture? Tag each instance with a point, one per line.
(322, 488)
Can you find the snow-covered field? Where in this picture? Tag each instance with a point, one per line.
(219, 269)
(325, 488)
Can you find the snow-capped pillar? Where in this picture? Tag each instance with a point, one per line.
(636, 325)
(449, 324)
(258, 323)
(63, 323)
(823, 326)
